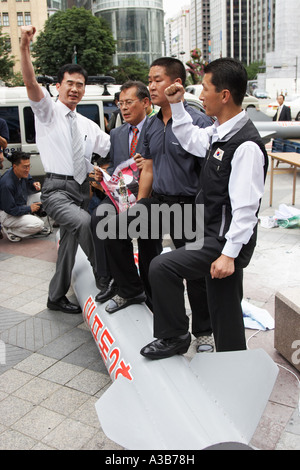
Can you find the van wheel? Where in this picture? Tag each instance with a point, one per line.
(297, 118)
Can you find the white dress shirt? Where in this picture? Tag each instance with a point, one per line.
(246, 182)
(53, 135)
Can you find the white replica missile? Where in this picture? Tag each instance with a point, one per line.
(170, 403)
(278, 129)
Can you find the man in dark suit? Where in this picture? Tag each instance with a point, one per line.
(126, 141)
(283, 112)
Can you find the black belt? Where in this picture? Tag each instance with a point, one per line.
(59, 177)
(167, 198)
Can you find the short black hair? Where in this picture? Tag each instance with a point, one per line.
(228, 73)
(17, 156)
(141, 89)
(71, 68)
(174, 68)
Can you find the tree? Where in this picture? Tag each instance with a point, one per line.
(6, 60)
(74, 29)
(253, 69)
(130, 69)
(196, 66)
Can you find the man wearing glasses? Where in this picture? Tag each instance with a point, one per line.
(126, 140)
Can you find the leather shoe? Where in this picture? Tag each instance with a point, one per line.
(163, 348)
(107, 292)
(117, 302)
(64, 305)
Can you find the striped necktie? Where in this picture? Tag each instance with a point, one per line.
(77, 149)
(134, 141)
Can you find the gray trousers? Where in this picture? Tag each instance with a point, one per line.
(66, 202)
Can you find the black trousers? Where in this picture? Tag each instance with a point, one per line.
(97, 215)
(123, 269)
(224, 295)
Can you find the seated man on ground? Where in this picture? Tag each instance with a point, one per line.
(18, 191)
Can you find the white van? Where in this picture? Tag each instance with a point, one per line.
(16, 110)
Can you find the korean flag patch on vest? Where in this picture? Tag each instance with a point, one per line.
(219, 154)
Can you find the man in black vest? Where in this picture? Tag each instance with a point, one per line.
(231, 186)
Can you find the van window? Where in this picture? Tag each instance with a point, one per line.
(11, 116)
(109, 107)
(91, 111)
(29, 125)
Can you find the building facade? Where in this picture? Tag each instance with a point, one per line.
(200, 27)
(283, 59)
(14, 14)
(137, 26)
(244, 29)
(262, 29)
(177, 35)
(230, 31)
(56, 5)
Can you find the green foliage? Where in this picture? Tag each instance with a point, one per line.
(130, 69)
(6, 59)
(195, 66)
(253, 69)
(15, 80)
(74, 28)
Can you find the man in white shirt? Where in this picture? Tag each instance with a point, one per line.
(65, 193)
(231, 186)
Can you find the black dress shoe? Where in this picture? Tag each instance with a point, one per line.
(107, 292)
(64, 305)
(163, 348)
(117, 302)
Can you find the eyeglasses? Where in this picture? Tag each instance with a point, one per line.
(126, 103)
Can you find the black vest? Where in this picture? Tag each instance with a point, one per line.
(214, 180)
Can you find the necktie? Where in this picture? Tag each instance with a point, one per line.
(278, 113)
(134, 141)
(77, 148)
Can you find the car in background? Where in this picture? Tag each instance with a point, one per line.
(194, 90)
(194, 101)
(248, 102)
(293, 102)
(295, 108)
(260, 94)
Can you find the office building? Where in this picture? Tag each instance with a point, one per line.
(200, 27)
(283, 61)
(137, 26)
(177, 35)
(14, 14)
